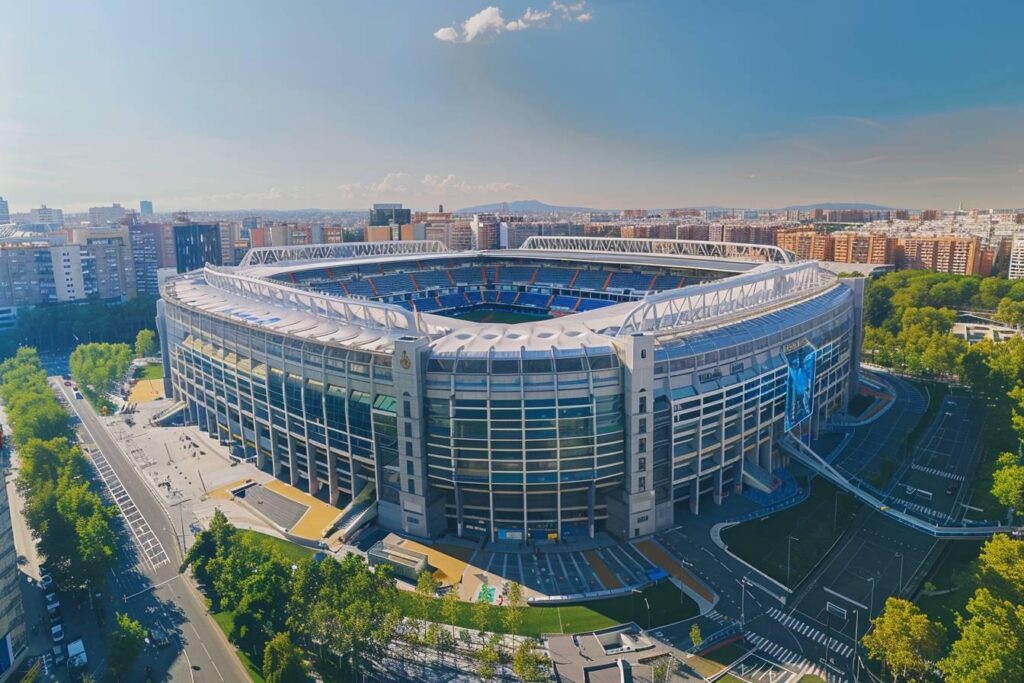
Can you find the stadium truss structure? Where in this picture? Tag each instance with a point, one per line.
(319, 252)
(690, 248)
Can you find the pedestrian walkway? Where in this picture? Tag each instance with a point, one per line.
(790, 658)
(661, 558)
(952, 476)
(807, 631)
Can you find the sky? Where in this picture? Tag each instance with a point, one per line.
(606, 103)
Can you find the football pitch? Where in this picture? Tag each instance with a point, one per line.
(494, 315)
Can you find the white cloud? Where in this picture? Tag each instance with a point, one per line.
(491, 20)
(585, 17)
(447, 34)
(451, 184)
(486, 20)
(391, 183)
(570, 12)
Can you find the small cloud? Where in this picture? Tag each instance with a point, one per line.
(491, 20)
(447, 34)
(585, 17)
(391, 183)
(451, 184)
(752, 176)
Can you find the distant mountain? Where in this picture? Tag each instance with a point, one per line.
(837, 206)
(526, 206)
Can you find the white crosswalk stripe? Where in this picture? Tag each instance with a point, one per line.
(808, 631)
(790, 658)
(938, 473)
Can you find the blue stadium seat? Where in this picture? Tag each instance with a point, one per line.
(591, 279)
(359, 287)
(559, 277)
(591, 304)
(564, 303)
(666, 282)
(632, 281)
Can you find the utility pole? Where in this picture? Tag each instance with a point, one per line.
(900, 555)
(789, 554)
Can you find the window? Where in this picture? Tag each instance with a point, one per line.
(410, 469)
(642, 464)
(641, 445)
(408, 429)
(643, 405)
(642, 425)
(643, 353)
(642, 484)
(641, 520)
(411, 486)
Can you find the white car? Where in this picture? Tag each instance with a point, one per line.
(57, 632)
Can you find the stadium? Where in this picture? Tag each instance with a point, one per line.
(569, 387)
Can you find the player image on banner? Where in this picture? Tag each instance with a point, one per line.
(800, 391)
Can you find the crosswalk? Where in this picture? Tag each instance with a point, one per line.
(952, 476)
(791, 659)
(808, 631)
(147, 541)
(717, 617)
(916, 507)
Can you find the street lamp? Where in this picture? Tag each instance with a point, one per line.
(871, 605)
(900, 555)
(789, 553)
(648, 614)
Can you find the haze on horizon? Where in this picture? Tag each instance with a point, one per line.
(232, 104)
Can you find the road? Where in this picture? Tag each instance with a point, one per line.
(146, 582)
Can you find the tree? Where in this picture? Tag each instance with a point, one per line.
(481, 615)
(450, 607)
(487, 660)
(1008, 482)
(527, 663)
(283, 661)
(513, 616)
(126, 643)
(1001, 567)
(991, 644)
(904, 640)
(660, 669)
(145, 343)
(426, 590)
(695, 635)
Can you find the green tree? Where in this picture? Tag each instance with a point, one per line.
(481, 616)
(1001, 567)
(1010, 312)
(513, 613)
(487, 660)
(528, 664)
(660, 669)
(696, 637)
(426, 590)
(283, 661)
(990, 648)
(126, 642)
(145, 343)
(1008, 482)
(450, 607)
(904, 640)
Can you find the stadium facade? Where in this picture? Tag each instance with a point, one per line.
(649, 378)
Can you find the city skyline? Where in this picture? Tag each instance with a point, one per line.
(588, 104)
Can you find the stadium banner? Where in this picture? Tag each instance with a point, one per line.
(800, 388)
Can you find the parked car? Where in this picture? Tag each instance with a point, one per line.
(45, 581)
(159, 636)
(78, 395)
(58, 654)
(52, 603)
(57, 632)
(951, 490)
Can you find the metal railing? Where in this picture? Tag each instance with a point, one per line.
(262, 256)
(766, 253)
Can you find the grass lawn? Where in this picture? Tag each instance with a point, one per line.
(151, 371)
(226, 620)
(668, 604)
(811, 678)
(763, 542)
(290, 551)
(728, 654)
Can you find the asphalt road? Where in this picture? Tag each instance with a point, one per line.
(149, 589)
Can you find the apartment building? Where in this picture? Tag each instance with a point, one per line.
(942, 254)
(806, 244)
(863, 247)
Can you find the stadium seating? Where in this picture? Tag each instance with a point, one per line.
(559, 277)
(432, 279)
(533, 300)
(447, 301)
(666, 282)
(566, 303)
(519, 275)
(591, 304)
(591, 279)
(468, 275)
(393, 284)
(507, 297)
(632, 281)
(359, 288)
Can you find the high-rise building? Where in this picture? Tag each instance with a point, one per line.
(110, 250)
(1017, 259)
(44, 215)
(14, 646)
(385, 214)
(863, 247)
(5, 212)
(806, 244)
(486, 231)
(146, 207)
(942, 254)
(145, 260)
(106, 215)
(456, 235)
(196, 244)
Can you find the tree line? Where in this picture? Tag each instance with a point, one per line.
(62, 326)
(341, 615)
(97, 366)
(990, 643)
(72, 527)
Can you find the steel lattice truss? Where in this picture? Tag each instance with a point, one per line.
(691, 248)
(354, 312)
(262, 256)
(764, 287)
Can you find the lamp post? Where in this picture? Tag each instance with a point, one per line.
(789, 554)
(871, 605)
(900, 555)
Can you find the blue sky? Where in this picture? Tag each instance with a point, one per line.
(231, 104)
